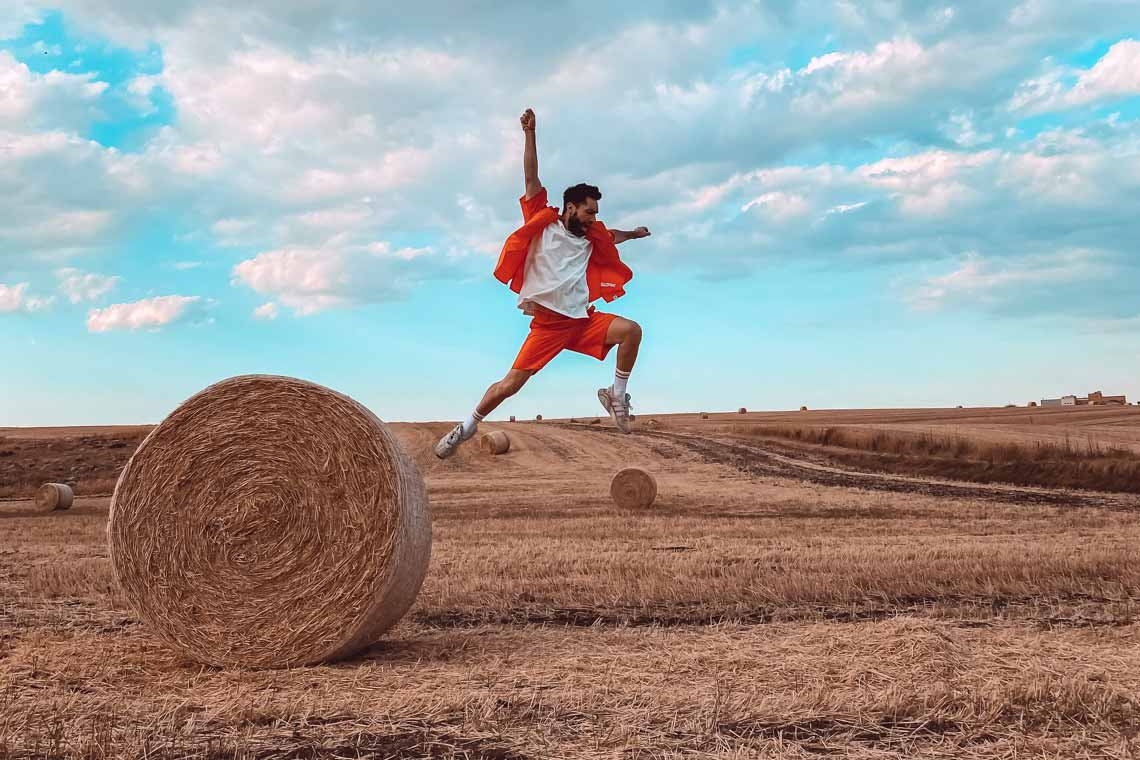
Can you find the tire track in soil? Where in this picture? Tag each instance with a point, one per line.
(760, 461)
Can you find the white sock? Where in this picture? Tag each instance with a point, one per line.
(620, 379)
(472, 422)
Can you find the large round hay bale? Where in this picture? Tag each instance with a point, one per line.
(803, 408)
(538, 418)
(53, 496)
(704, 416)
(269, 522)
(512, 418)
(495, 442)
(742, 410)
(632, 488)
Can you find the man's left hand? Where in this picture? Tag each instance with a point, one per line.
(640, 232)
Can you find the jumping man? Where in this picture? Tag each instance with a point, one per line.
(558, 262)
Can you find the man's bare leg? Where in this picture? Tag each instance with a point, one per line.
(626, 335)
(495, 395)
(499, 392)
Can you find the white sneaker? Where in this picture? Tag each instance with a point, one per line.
(618, 409)
(450, 442)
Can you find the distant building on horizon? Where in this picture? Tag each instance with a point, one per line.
(1096, 398)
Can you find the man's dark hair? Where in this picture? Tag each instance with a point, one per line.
(579, 193)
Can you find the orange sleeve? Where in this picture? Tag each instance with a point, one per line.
(534, 205)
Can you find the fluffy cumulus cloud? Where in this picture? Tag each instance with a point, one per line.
(1004, 283)
(1116, 75)
(80, 286)
(14, 298)
(147, 314)
(309, 138)
(309, 280)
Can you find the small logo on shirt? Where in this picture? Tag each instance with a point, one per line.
(608, 284)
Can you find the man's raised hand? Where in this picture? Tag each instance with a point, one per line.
(640, 232)
(527, 120)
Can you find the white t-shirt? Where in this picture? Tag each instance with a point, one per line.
(555, 272)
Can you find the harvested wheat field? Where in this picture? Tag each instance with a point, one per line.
(788, 594)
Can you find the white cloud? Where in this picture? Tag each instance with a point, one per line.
(149, 313)
(54, 100)
(81, 286)
(310, 280)
(779, 206)
(266, 311)
(993, 282)
(1115, 75)
(15, 298)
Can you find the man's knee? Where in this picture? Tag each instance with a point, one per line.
(631, 332)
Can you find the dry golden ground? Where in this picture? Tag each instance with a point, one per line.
(760, 609)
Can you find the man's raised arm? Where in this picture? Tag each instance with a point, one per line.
(530, 156)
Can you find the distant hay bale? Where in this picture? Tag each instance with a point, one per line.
(269, 522)
(538, 418)
(742, 410)
(54, 496)
(512, 418)
(803, 408)
(574, 420)
(495, 442)
(632, 488)
(704, 416)
(596, 421)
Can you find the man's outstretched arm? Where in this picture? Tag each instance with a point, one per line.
(530, 156)
(620, 236)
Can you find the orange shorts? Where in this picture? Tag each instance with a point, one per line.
(551, 332)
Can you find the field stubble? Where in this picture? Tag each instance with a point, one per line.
(745, 615)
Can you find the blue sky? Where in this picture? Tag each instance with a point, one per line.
(852, 204)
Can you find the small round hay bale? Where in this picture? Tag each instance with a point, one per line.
(632, 488)
(269, 522)
(538, 418)
(803, 408)
(742, 410)
(704, 416)
(512, 418)
(53, 496)
(495, 442)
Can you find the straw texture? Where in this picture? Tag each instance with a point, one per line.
(495, 442)
(53, 496)
(269, 522)
(632, 488)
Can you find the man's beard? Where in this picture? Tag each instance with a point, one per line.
(575, 226)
